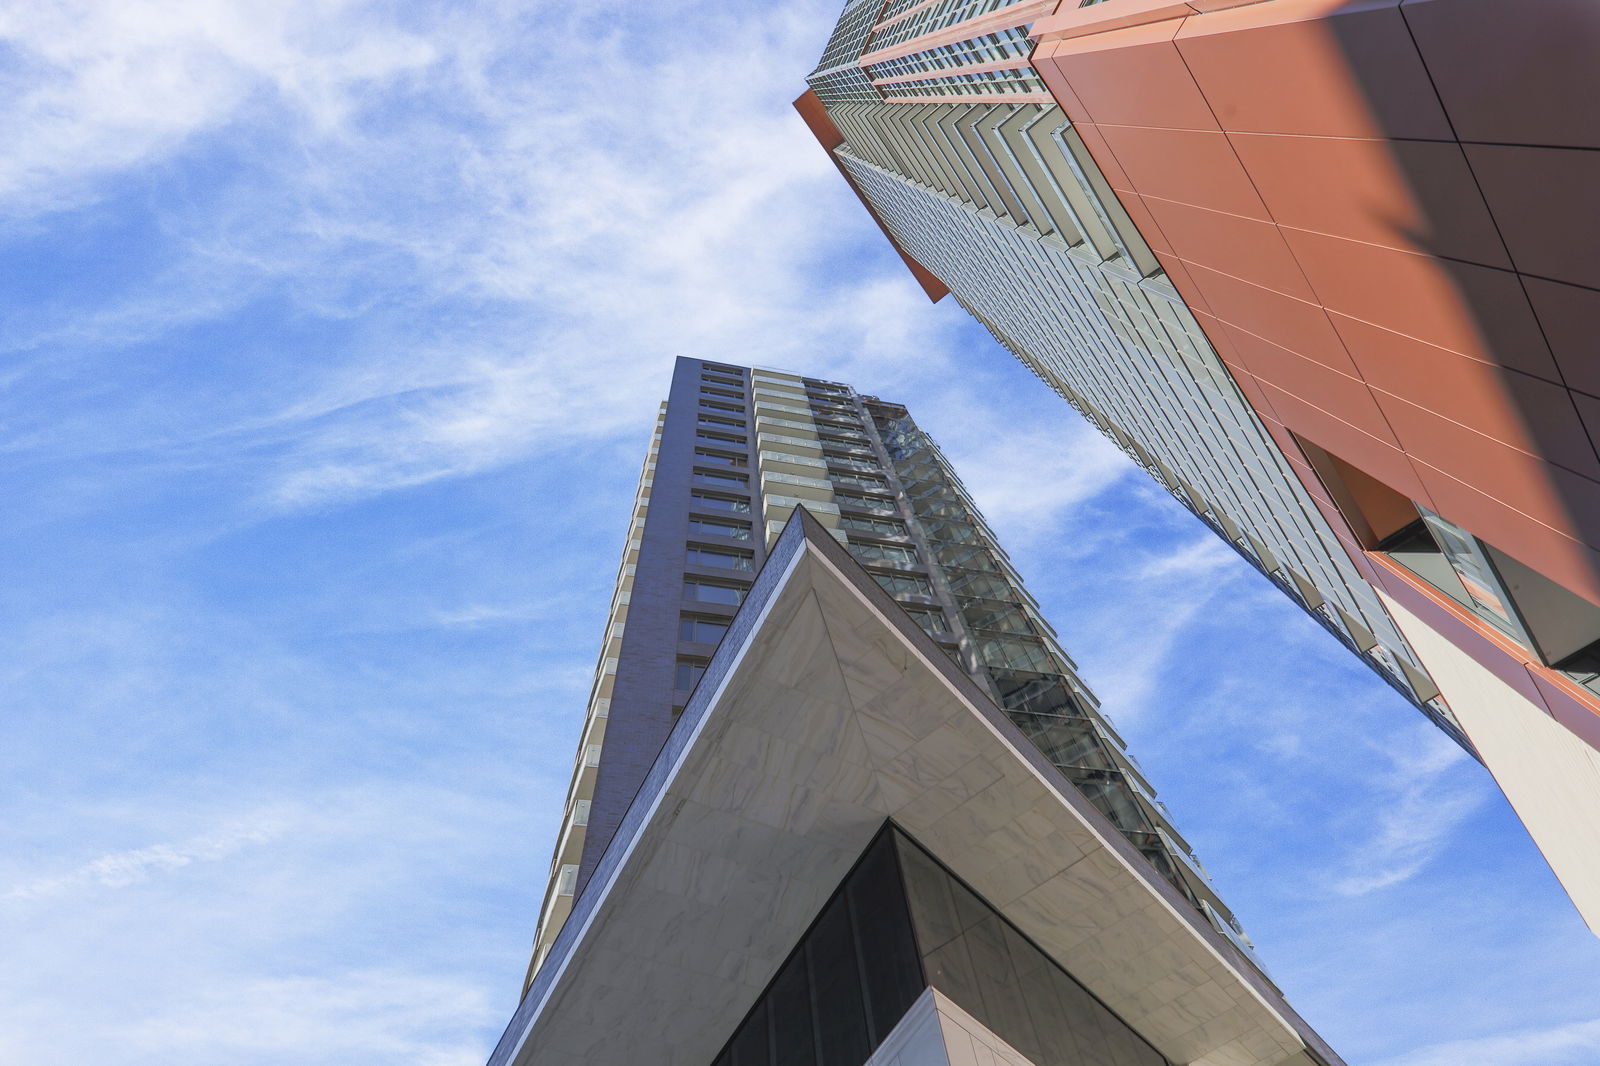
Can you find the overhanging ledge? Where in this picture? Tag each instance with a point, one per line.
(824, 712)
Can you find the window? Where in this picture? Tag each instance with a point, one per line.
(689, 673)
(903, 584)
(872, 525)
(701, 630)
(720, 503)
(702, 455)
(719, 529)
(708, 391)
(718, 368)
(842, 441)
(712, 379)
(720, 438)
(718, 420)
(851, 462)
(716, 557)
(701, 591)
(931, 620)
(869, 503)
(727, 479)
(861, 481)
(718, 405)
(869, 551)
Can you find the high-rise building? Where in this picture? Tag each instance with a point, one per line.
(1326, 269)
(841, 797)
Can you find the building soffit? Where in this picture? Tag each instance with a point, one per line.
(824, 713)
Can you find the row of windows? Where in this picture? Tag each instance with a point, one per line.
(721, 420)
(701, 630)
(736, 530)
(704, 590)
(866, 503)
(722, 405)
(872, 525)
(730, 479)
(903, 584)
(712, 437)
(728, 560)
(712, 501)
(860, 481)
(872, 551)
(705, 455)
(726, 382)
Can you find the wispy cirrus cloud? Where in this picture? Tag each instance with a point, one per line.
(122, 868)
(1423, 803)
(1573, 1044)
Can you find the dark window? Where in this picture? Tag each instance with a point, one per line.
(932, 622)
(716, 557)
(727, 479)
(732, 383)
(709, 391)
(720, 503)
(712, 592)
(720, 529)
(903, 584)
(703, 456)
(701, 630)
(718, 420)
(719, 438)
(718, 405)
(873, 525)
(863, 481)
(892, 553)
(870, 503)
(689, 672)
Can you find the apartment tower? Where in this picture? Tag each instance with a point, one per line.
(1287, 255)
(842, 798)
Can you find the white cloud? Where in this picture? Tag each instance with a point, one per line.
(122, 868)
(528, 232)
(1423, 799)
(1572, 1044)
(344, 1016)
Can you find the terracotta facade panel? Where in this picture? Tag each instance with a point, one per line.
(1149, 227)
(1471, 309)
(1104, 157)
(1544, 202)
(1517, 409)
(1316, 67)
(1294, 324)
(1178, 274)
(1570, 316)
(1513, 73)
(1525, 482)
(1411, 195)
(1185, 166)
(1246, 248)
(1131, 77)
(1378, 458)
(1343, 396)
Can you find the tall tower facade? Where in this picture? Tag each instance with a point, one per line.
(1275, 251)
(735, 451)
(840, 793)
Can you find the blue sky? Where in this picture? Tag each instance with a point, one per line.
(330, 338)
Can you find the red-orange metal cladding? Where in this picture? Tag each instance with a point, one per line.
(1341, 191)
(828, 135)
